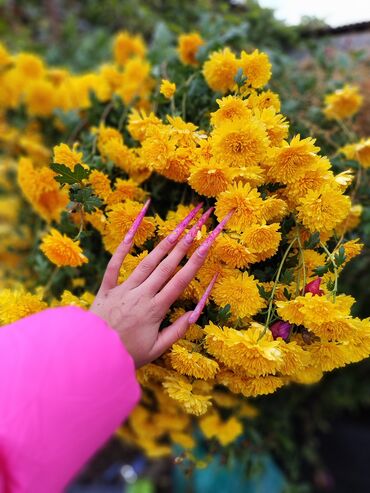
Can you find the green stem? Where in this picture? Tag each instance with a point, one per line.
(272, 296)
(332, 260)
(302, 259)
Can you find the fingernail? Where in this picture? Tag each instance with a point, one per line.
(174, 236)
(201, 304)
(135, 225)
(207, 243)
(189, 238)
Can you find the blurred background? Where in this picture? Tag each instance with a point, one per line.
(315, 439)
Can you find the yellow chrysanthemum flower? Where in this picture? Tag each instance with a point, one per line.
(188, 46)
(249, 387)
(220, 70)
(30, 66)
(240, 291)
(290, 161)
(129, 265)
(351, 221)
(180, 390)
(41, 190)
(240, 142)
(209, 178)
(359, 152)
(18, 303)
(322, 210)
(167, 88)
(225, 432)
(256, 67)
(140, 124)
(63, 154)
(230, 250)
(343, 103)
(119, 220)
(262, 239)
(352, 248)
(230, 108)
(5, 57)
(265, 99)
(126, 46)
(40, 98)
(277, 126)
(61, 250)
(100, 183)
(246, 202)
(192, 363)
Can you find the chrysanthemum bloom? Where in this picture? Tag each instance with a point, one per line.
(240, 291)
(277, 125)
(209, 178)
(39, 98)
(18, 303)
(61, 250)
(247, 203)
(100, 183)
(281, 329)
(220, 70)
(125, 189)
(295, 358)
(180, 390)
(41, 190)
(182, 133)
(167, 88)
(249, 387)
(224, 431)
(343, 103)
(129, 265)
(192, 363)
(240, 143)
(139, 123)
(188, 47)
(230, 108)
(253, 175)
(359, 151)
(307, 376)
(351, 221)
(63, 154)
(256, 67)
(5, 57)
(352, 248)
(231, 251)
(30, 66)
(262, 239)
(291, 161)
(265, 99)
(321, 210)
(178, 164)
(119, 220)
(126, 46)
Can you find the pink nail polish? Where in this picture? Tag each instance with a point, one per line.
(174, 236)
(190, 236)
(201, 304)
(135, 225)
(207, 243)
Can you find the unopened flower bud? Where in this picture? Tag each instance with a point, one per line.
(281, 329)
(314, 287)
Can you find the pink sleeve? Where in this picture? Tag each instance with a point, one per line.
(66, 384)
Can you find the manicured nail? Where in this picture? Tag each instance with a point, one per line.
(174, 236)
(135, 225)
(201, 304)
(190, 236)
(207, 243)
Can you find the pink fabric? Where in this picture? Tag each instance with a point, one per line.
(66, 384)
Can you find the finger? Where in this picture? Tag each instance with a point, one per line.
(170, 335)
(165, 270)
(112, 271)
(151, 261)
(180, 281)
(202, 302)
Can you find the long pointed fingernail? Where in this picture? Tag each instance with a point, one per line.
(189, 238)
(135, 225)
(201, 303)
(202, 250)
(174, 236)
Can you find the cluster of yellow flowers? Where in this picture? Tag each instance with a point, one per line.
(287, 201)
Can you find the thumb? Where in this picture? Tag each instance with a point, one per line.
(170, 335)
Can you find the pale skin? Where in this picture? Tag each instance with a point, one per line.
(136, 308)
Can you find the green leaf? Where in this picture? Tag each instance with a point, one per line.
(263, 293)
(340, 257)
(287, 276)
(68, 176)
(240, 78)
(86, 197)
(323, 269)
(312, 241)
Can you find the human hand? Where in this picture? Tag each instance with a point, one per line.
(137, 307)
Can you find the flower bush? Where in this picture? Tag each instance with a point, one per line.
(82, 152)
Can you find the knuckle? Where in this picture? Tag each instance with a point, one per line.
(146, 267)
(165, 269)
(182, 283)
